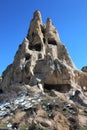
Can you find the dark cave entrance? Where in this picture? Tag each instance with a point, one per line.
(52, 42)
(36, 47)
(1, 91)
(63, 88)
(27, 56)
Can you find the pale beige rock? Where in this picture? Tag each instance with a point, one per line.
(44, 122)
(42, 56)
(51, 33)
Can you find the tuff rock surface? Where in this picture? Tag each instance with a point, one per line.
(42, 88)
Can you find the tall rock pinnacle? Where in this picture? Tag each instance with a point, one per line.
(40, 34)
(35, 36)
(41, 58)
(51, 32)
(36, 56)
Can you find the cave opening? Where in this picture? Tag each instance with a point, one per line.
(30, 46)
(36, 47)
(52, 41)
(1, 91)
(27, 56)
(63, 88)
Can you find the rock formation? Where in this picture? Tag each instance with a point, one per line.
(43, 64)
(41, 57)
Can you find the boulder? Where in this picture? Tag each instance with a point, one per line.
(84, 69)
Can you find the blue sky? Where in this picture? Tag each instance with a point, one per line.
(68, 16)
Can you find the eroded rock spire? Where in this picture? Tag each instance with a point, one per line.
(39, 34)
(41, 57)
(37, 15)
(51, 32)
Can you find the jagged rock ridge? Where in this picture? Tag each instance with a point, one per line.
(43, 61)
(40, 54)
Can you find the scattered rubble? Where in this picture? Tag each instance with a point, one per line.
(23, 102)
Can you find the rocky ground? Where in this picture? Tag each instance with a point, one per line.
(48, 111)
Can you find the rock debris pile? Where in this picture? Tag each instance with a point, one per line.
(23, 102)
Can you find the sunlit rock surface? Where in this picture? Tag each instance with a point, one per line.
(42, 88)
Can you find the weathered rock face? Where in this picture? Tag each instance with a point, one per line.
(42, 61)
(41, 56)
